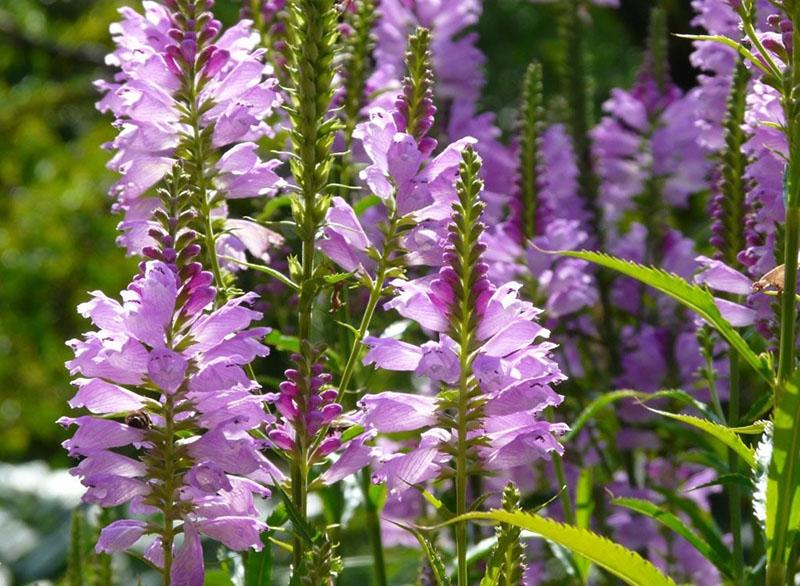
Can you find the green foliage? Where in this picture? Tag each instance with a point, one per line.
(611, 397)
(783, 480)
(506, 564)
(692, 296)
(716, 553)
(433, 571)
(624, 563)
(726, 435)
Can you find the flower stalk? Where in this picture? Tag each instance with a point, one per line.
(465, 232)
(311, 39)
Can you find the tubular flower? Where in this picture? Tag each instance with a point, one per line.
(509, 373)
(186, 91)
(458, 67)
(415, 189)
(168, 409)
(309, 412)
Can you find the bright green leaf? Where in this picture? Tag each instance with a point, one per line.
(721, 558)
(620, 561)
(692, 296)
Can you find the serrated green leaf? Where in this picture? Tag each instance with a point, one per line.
(721, 433)
(608, 398)
(721, 558)
(620, 561)
(692, 296)
(731, 479)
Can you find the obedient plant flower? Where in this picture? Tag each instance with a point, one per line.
(188, 92)
(168, 407)
(649, 162)
(309, 409)
(509, 373)
(457, 63)
(414, 187)
(546, 213)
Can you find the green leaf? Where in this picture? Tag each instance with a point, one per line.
(365, 203)
(431, 553)
(584, 505)
(721, 558)
(352, 432)
(738, 47)
(783, 480)
(608, 398)
(273, 205)
(301, 527)
(726, 435)
(730, 479)
(692, 296)
(620, 561)
(282, 342)
(264, 269)
(258, 564)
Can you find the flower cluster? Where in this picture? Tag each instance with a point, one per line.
(187, 91)
(169, 412)
(510, 372)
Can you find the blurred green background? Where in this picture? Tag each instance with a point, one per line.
(56, 232)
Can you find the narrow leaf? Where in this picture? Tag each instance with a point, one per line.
(620, 561)
(726, 435)
(266, 270)
(431, 553)
(783, 481)
(584, 505)
(608, 398)
(692, 296)
(301, 526)
(720, 558)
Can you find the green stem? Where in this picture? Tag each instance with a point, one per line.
(374, 527)
(788, 304)
(566, 499)
(374, 297)
(462, 463)
(461, 480)
(168, 532)
(733, 461)
(299, 498)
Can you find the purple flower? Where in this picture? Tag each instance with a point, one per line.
(512, 370)
(154, 51)
(159, 361)
(309, 419)
(410, 182)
